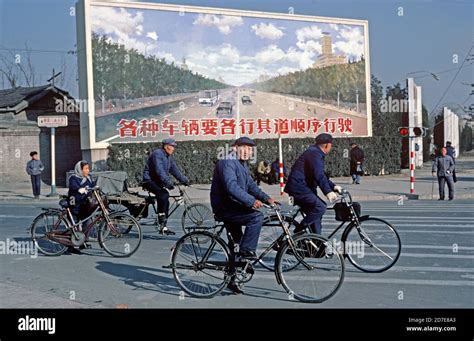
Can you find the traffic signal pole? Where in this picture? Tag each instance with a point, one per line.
(411, 123)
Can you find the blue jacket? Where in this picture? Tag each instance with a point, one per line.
(75, 183)
(232, 183)
(158, 168)
(34, 167)
(307, 174)
(443, 166)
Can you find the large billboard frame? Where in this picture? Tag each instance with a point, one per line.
(84, 52)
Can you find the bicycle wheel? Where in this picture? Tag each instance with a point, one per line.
(44, 227)
(198, 217)
(122, 237)
(373, 247)
(317, 268)
(196, 277)
(270, 233)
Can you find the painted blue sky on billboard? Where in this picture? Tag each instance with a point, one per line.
(237, 49)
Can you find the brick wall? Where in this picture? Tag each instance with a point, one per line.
(15, 147)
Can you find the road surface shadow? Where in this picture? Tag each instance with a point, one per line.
(141, 277)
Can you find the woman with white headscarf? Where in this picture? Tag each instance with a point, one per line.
(78, 184)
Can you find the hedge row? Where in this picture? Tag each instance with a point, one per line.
(197, 158)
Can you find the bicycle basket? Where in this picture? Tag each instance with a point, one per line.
(91, 203)
(343, 212)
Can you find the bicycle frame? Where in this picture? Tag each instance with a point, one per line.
(72, 226)
(285, 236)
(354, 217)
(178, 200)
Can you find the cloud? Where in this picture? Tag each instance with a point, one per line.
(120, 26)
(309, 32)
(152, 35)
(352, 43)
(223, 23)
(267, 31)
(225, 54)
(303, 58)
(116, 21)
(270, 54)
(310, 46)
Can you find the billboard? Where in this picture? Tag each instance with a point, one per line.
(153, 71)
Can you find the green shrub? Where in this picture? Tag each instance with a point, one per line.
(197, 158)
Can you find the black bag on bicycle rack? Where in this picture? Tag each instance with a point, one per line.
(343, 212)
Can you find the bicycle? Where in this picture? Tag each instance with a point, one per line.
(196, 216)
(203, 264)
(52, 231)
(362, 232)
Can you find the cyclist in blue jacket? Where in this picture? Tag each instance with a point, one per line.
(307, 174)
(235, 198)
(157, 179)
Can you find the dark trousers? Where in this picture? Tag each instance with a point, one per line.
(441, 182)
(36, 184)
(162, 197)
(236, 216)
(314, 208)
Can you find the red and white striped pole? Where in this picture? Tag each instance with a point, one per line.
(412, 164)
(280, 156)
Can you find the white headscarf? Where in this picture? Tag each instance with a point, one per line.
(79, 174)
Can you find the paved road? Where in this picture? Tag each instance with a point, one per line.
(429, 274)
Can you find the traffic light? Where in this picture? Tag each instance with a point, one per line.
(412, 131)
(417, 131)
(403, 131)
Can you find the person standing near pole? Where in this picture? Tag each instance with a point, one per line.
(357, 157)
(34, 168)
(443, 167)
(451, 151)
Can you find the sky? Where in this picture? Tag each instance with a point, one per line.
(236, 48)
(405, 36)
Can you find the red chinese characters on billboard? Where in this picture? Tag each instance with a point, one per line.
(213, 127)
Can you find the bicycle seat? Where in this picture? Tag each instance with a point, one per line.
(64, 203)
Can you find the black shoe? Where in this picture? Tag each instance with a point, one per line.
(73, 250)
(451, 199)
(440, 199)
(250, 255)
(234, 288)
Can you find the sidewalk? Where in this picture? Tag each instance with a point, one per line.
(389, 187)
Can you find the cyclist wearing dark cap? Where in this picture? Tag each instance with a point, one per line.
(157, 179)
(307, 174)
(235, 197)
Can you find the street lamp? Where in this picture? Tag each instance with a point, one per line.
(435, 76)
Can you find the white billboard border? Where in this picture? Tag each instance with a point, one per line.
(84, 34)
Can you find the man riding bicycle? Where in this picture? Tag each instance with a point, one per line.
(157, 179)
(307, 174)
(235, 198)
